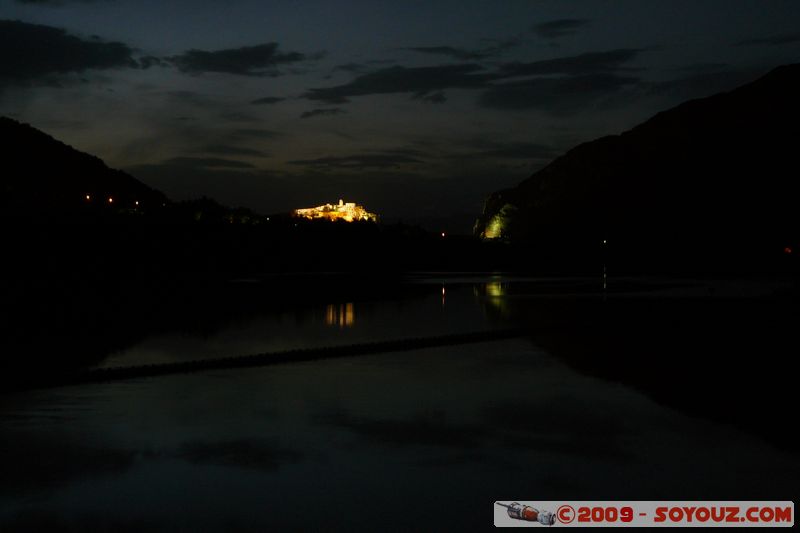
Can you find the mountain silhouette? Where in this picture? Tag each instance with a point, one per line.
(44, 177)
(711, 178)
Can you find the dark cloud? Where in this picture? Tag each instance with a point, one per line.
(151, 61)
(355, 68)
(419, 80)
(464, 54)
(559, 28)
(775, 40)
(700, 68)
(255, 133)
(581, 64)
(503, 44)
(390, 159)
(32, 53)
(58, 3)
(268, 100)
(527, 151)
(700, 83)
(554, 95)
(449, 51)
(433, 98)
(224, 149)
(424, 80)
(411, 152)
(258, 60)
(198, 137)
(238, 116)
(63, 124)
(207, 162)
(190, 97)
(322, 112)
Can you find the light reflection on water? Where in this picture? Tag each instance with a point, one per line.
(342, 315)
(351, 438)
(436, 311)
(495, 289)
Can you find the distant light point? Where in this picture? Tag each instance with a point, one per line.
(88, 197)
(443, 234)
(110, 200)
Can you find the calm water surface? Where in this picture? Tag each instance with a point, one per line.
(426, 439)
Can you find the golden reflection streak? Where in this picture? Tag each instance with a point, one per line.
(342, 315)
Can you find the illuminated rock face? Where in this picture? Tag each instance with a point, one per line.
(348, 212)
(498, 225)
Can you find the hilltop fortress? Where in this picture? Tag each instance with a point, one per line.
(348, 212)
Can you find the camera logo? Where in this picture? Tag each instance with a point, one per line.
(529, 514)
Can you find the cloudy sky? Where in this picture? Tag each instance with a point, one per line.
(418, 109)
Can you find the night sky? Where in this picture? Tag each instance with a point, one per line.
(416, 109)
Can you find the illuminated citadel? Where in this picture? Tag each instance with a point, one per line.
(348, 212)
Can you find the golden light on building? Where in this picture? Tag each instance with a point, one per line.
(342, 315)
(347, 211)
